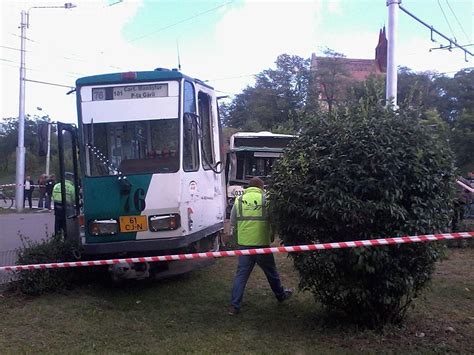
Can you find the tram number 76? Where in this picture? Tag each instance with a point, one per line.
(138, 201)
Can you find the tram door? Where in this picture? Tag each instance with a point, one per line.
(68, 170)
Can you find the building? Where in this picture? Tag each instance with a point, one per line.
(360, 69)
(334, 74)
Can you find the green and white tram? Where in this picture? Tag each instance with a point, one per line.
(150, 160)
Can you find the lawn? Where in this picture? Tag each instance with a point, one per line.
(188, 314)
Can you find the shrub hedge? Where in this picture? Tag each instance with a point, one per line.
(364, 172)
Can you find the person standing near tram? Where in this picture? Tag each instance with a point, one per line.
(252, 230)
(59, 220)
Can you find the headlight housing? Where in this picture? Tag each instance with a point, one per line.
(103, 227)
(166, 222)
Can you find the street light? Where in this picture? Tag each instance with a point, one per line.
(20, 150)
(48, 151)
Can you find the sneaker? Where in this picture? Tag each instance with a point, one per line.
(287, 293)
(232, 311)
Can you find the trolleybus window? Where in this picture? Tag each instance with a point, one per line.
(205, 113)
(134, 147)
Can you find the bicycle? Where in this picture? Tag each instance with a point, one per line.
(6, 202)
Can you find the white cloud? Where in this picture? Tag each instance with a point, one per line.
(334, 7)
(63, 45)
(248, 37)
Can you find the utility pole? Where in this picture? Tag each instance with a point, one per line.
(20, 150)
(48, 152)
(48, 149)
(391, 87)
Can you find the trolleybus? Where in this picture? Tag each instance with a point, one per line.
(251, 154)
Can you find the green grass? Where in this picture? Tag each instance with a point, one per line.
(188, 314)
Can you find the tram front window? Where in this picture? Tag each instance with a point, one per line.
(132, 147)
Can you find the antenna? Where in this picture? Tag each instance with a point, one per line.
(179, 61)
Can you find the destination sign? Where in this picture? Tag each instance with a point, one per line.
(130, 92)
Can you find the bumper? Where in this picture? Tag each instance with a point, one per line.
(158, 245)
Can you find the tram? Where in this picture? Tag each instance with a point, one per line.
(150, 170)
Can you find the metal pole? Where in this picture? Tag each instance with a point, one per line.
(391, 88)
(48, 152)
(20, 150)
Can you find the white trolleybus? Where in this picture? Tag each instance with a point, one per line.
(150, 180)
(251, 154)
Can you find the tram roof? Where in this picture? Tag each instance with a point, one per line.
(134, 77)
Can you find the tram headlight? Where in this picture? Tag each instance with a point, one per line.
(166, 222)
(103, 227)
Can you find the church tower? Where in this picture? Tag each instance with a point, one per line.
(381, 52)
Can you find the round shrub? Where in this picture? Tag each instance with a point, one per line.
(364, 173)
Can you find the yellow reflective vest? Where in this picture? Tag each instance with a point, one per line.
(70, 192)
(253, 228)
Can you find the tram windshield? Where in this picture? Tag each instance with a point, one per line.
(132, 147)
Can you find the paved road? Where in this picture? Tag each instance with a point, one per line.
(34, 225)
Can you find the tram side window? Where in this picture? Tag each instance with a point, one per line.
(190, 144)
(205, 114)
(189, 98)
(190, 133)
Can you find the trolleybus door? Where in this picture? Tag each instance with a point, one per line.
(67, 151)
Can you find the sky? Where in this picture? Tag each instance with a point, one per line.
(225, 42)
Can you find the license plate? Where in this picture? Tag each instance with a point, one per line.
(133, 224)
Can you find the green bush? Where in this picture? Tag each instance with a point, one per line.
(49, 250)
(364, 173)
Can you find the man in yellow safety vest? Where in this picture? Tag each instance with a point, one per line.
(252, 230)
(59, 221)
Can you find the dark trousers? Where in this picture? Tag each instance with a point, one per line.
(47, 203)
(41, 199)
(28, 195)
(244, 269)
(59, 220)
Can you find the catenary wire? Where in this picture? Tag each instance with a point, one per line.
(180, 22)
(457, 20)
(449, 25)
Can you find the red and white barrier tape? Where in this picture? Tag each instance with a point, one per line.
(219, 254)
(13, 185)
(460, 183)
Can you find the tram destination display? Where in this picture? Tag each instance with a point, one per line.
(130, 92)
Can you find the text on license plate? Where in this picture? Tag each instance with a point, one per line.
(133, 224)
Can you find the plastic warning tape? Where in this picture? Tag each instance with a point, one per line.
(269, 250)
(469, 188)
(13, 185)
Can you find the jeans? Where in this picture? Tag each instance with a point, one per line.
(244, 269)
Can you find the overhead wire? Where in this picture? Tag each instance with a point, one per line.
(180, 22)
(457, 20)
(449, 25)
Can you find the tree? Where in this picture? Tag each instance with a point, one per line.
(462, 138)
(364, 172)
(330, 79)
(455, 94)
(9, 141)
(417, 89)
(277, 100)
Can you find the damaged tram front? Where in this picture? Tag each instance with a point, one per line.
(150, 165)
